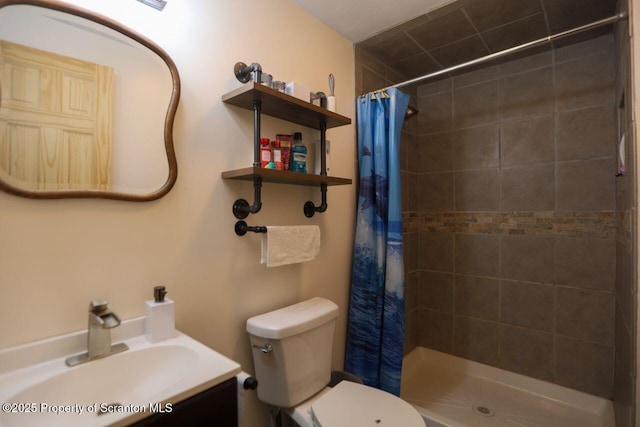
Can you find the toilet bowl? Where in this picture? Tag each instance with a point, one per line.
(291, 350)
(354, 405)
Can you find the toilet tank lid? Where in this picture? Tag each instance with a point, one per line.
(293, 319)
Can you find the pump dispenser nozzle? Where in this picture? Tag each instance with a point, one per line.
(158, 293)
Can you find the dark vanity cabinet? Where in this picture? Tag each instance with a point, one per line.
(217, 406)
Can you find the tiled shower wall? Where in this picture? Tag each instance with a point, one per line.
(514, 243)
(626, 232)
(510, 216)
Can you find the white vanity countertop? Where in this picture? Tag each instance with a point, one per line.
(38, 388)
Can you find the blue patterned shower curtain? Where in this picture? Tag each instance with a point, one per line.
(375, 332)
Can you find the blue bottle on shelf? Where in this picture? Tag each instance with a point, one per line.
(298, 154)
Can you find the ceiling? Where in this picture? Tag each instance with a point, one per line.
(417, 39)
(358, 20)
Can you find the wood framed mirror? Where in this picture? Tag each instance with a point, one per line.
(86, 106)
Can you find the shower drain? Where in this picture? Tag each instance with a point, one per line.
(483, 410)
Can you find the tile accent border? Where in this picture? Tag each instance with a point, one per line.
(545, 223)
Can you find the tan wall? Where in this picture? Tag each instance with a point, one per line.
(57, 255)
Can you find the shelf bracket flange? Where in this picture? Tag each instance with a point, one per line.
(242, 209)
(310, 208)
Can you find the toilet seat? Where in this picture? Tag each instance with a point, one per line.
(349, 404)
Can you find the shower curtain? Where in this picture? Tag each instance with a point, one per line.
(375, 332)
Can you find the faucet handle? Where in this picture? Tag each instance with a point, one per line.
(98, 305)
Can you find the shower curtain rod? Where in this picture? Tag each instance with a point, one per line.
(600, 23)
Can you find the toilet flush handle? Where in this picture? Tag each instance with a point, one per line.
(267, 348)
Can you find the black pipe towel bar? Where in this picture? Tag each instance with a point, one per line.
(241, 228)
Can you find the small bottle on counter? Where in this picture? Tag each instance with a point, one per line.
(299, 154)
(265, 152)
(276, 151)
(160, 320)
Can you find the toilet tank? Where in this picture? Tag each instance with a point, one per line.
(291, 350)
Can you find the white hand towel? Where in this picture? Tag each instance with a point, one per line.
(283, 245)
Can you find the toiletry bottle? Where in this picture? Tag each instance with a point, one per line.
(160, 320)
(276, 154)
(265, 152)
(299, 154)
(285, 146)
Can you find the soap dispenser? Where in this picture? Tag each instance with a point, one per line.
(160, 320)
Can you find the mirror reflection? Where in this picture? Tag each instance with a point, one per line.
(86, 107)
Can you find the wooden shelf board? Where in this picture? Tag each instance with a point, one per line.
(283, 106)
(283, 177)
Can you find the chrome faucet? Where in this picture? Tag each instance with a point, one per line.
(101, 321)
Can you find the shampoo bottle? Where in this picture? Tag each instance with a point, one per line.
(160, 320)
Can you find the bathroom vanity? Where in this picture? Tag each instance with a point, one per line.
(178, 381)
(216, 406)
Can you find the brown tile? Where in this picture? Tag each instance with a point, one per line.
(532, 27)
(625, 284)
(412, 290)
(442, 30)
(436, 291)
(436, 251)
(477, 190)
(416, 66)
(411, 197)
(411, 242)
(476, 340)
(371, 81)
(529, 62)
(435, 330)
(527, 142)
(587, 133)
(624, 382)
(436, 192)
(527, 258)
(530, 305)
(586, 185)
(586, 263)
(468, 78)
(477, 254)
(501, 11)
(585, 314)
(436, 152)
(477, 297)
(585, 82)
(412, 145)
(528, 94)
(528, 188)
(476, 147)
(586, 48)
(437, 86)
(393, 48)
(527, 352)
(592, 374)
(460, 51)
(476, 105)
(567, 14)
(411, 331)
(436, 113)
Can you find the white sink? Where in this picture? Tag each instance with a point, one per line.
(115, 390)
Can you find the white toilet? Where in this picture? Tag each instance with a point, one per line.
(292, 359)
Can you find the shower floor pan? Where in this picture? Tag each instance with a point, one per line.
(453, 392)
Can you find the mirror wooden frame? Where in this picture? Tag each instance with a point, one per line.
(168, 127)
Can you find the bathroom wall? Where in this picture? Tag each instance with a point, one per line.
(57, 255)
(512, 194)
(626, 249)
